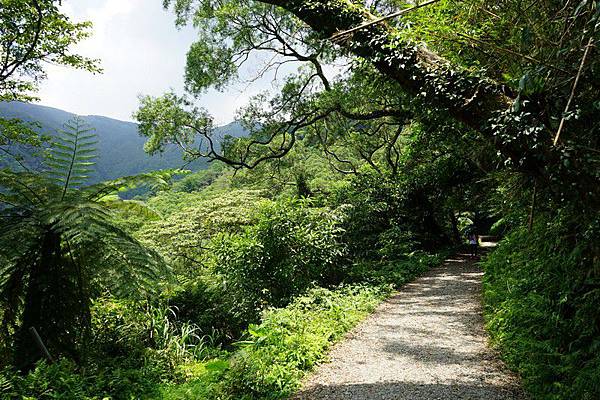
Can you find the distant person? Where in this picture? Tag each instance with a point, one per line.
(473, 239)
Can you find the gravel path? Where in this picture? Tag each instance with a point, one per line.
(426, 342)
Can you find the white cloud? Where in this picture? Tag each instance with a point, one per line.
(141, 52)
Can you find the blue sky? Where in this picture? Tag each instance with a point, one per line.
(142, 52)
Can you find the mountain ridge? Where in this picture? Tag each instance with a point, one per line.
(120, 146)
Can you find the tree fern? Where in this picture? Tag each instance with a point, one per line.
(58, 246)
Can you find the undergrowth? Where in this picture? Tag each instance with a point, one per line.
(542, 309)
(268, 362)
(276, 353)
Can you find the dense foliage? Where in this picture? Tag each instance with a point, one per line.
(58, 247)
(501, 103)
(390, 139)
(236, 263)
(270, 361)
(542, 308)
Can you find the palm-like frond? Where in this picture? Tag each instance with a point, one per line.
(71, 155)
(120, 263)
(155, 180)
(21, 189)
(140, 269)
(53, 220)
(131, 207)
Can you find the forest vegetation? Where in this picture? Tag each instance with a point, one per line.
(392, 138)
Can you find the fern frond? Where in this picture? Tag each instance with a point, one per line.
(22, 187)
(131, 206)
(126, 267)
(76, 221)
(71, 155)
(79, 220)
(156, 180)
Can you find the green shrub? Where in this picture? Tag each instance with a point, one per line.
(396, 272)
(65, 381)
(542, 295)
(291, 246)
(56, 381)
(205, 302)
(288, 342)
(149, 332)
(292, 340)
(136, 347)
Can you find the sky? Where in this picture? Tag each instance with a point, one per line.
(141, 52)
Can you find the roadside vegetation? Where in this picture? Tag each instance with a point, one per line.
(254, 291)
(232, 282)
(541, 308)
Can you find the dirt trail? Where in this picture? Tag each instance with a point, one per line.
(426, 342)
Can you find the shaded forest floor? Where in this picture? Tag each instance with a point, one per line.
(426, 342)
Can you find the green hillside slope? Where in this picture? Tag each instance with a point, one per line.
(120, 147)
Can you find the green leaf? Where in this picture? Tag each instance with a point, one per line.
(217, 365)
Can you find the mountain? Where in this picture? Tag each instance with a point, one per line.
(120, 148)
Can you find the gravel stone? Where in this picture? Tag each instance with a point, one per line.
(425, 342)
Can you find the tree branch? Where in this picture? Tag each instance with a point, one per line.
(345, 34)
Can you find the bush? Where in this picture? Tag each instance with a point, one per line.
(137, 346)
(65, 381)
(395, 273)
(205, 302)
(59, 380)
(542, 295)
(290, 341)
(290, 247)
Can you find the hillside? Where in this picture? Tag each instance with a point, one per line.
(120, 147)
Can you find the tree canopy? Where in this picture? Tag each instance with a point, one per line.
(519, 81)
(35, 32)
